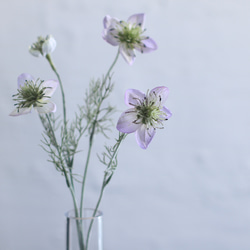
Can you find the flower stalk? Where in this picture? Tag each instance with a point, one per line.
(111, 166)
(92, 133)
(48, 57)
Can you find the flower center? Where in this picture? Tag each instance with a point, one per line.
(30, 94)
(144, 113)
(130, 35)
(38, 45)
(148, 113)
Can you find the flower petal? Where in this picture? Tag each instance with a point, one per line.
(144, 135)
(137, 19)
(167, 112)
(21, 111)
(128, 54)
(110, 30)
(50, 86)
(106, 21)
(161, 93)
(110, 22)
(46, 108)
(34, 52)
(110, 37)
(147, 46)
(49, 45)
(133, 97)
(126, 122)
(23, 78)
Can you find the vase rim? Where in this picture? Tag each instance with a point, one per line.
(70, 214)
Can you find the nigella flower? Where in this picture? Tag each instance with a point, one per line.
(128, 35)
(34, 93)
(43, 46)
(146, 113)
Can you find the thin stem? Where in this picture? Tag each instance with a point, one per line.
(92, 135)
(59, 151)
(48, 57)
(111, 67)
(79, 230)
(78, 222)
(104, 183)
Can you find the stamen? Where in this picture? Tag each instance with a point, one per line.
(136, 121)
(139, 100)
(131, 111)
(132, 104)
(149, 133)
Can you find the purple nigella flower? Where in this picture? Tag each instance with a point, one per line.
(128, 35)
(146, 113)
(34, 94)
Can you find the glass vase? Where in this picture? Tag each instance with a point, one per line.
(84, 233)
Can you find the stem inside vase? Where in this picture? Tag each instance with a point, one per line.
(77, 231)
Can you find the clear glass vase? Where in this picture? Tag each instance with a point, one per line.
(84, 233)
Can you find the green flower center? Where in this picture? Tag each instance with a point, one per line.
(149, 113)
(130, 35)
(30, 94)
(39, 44)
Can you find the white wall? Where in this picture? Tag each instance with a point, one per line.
(190, 190)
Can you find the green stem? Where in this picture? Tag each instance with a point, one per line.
(111, 67)
(78, 223)
(48, 57)
(59, 152)
(104, 183)
(92, 135)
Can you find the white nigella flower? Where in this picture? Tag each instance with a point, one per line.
(34, 94)
(146, 113)
(43, 46)
(128, 36)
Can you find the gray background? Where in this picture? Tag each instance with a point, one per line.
(190, 190)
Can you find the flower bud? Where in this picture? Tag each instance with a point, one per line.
(43, 46)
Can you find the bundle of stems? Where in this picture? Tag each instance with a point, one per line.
(91, 119)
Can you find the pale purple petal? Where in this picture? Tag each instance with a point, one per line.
(128, 54)
(133, 97)
(137, 19)
(110, 37)
(161, 93)
(144, 135)
(23, 78)
(126, 122)
(50, 86)
(148, 45)
(110, 30)
(46, 108)
(21, 111)
(110, 22)
(167, 112)
(106, 21)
